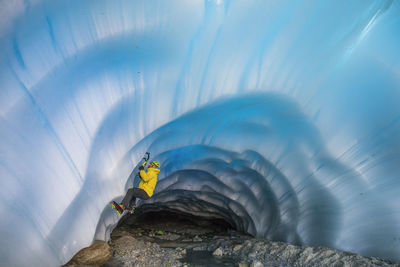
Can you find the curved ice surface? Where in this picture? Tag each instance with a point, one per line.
(281, 117)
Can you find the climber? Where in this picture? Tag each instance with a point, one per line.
(148, 181)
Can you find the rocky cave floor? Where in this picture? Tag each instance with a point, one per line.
(165, 239)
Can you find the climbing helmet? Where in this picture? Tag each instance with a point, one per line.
(154, 164)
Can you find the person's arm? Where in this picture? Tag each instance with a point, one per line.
(143, 175)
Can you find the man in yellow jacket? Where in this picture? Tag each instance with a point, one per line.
(148, 181)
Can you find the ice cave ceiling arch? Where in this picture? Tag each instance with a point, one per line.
(280, 117)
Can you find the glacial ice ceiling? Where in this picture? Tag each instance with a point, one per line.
(281, 117)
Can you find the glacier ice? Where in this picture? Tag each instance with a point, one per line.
(281, 117)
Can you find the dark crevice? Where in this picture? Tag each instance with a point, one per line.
(168, 217)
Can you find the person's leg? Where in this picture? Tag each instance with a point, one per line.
(128, 198)
(137, 193)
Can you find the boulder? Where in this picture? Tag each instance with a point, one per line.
(256, 264)
(97, 254)
(237, 247)
(218, 252)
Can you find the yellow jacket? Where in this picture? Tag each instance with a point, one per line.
(148, 180)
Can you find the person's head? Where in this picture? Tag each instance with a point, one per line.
(155, 165)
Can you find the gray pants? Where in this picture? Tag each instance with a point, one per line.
(130, 197)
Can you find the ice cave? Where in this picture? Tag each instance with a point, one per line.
(280, 117)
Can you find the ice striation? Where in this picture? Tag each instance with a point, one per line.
(281, 117)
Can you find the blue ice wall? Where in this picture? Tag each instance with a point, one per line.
(282, 117)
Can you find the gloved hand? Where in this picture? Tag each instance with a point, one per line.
(141, 168)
